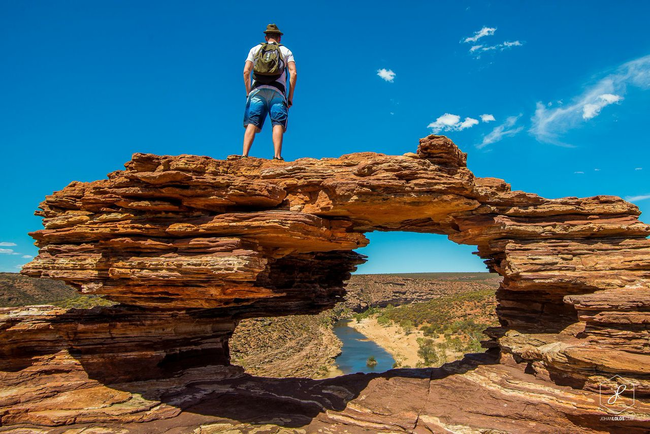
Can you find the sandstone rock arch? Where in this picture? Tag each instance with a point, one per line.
(172, 238)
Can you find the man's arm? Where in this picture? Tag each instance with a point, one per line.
(248, 68)
(292, 81)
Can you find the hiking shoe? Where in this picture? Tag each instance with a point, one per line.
(278, 158)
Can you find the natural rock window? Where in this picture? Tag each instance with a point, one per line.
(189, 245)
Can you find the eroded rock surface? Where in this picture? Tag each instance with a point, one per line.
(471, 396)
(250, 237)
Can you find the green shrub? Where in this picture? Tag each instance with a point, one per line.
(407, 325)
(427, 352)
(383, 320)
(456, 344)
(84, 302)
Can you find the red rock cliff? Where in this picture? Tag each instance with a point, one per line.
(250, 237)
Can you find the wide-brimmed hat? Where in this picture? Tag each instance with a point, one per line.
(272, 29)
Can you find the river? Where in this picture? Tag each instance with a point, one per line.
(356, 350)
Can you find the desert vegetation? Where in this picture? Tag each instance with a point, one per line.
(446, 327)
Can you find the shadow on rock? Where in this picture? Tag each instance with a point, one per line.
(291, 402)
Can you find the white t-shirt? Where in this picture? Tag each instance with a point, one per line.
(288, 57)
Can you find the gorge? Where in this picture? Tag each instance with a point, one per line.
(187, 246)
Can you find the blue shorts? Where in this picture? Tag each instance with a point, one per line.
(261, 102)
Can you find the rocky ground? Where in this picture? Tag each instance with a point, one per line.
(269, 397)
(477, 395)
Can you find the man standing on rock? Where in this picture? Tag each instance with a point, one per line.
(267, 94)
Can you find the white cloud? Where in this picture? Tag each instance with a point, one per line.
(506, 129)
(637, 198)
(579, 172)
(477, 49)
(7, 252)
(7, 244)
(467, 123)
(549, 124)
(386, 74)
(638, 168)
(450, 122)
(485, 31)
(498, 47)
(596, 170)
(27, 256)
(487, 118)
(591, 110)
(446, 120)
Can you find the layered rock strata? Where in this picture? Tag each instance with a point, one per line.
(249, 237)
(114, 344)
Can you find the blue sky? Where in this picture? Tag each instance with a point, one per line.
(84, 85)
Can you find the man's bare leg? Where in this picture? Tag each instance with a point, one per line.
(278, 133)
(249, 136)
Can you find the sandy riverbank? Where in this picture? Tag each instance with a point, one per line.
(403, 347)
(334, 371)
